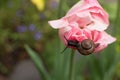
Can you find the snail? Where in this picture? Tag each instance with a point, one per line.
(85, 47)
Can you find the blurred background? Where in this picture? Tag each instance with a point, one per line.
(26, 22)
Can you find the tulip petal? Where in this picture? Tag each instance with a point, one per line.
(103, 39)
(96, 25)
(108, 38)
(87, 11)
(58, 23)
(82, 5)
(85, 20)
(75, 8)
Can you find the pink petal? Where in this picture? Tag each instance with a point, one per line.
(108, 38)
(88, 11)
(96, 35)
(96, 25)
(58, 23)
(81, 19)
(76, 7)
(103, 39)
(84, 18)
(82, 5)
(88, 34)
(99, 14)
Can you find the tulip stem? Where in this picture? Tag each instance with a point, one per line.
(71, 73)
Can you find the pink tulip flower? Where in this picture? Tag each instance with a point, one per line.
(86, 13)
(86, 20)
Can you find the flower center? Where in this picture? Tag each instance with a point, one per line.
(89, 23)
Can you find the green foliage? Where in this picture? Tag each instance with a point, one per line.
(38, 62)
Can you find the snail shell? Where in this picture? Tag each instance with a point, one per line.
(86, 47)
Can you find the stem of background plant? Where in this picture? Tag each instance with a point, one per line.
(71, 67)
(116, 24)
(117, 30)
(60, 8)
(117, 17)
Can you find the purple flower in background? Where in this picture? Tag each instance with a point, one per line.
(37, 35)
(10, 4)
(19, 13)
(31, 27)
(54, 4)
(21, 28)
(42, 16)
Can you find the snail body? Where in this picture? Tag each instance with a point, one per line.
(85, 47)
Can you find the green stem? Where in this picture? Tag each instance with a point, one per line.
(117, 17)
(71, 74)
(117, 31)
(60, 8)
(118, 9)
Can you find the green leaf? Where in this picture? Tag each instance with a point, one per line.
(38, 62)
